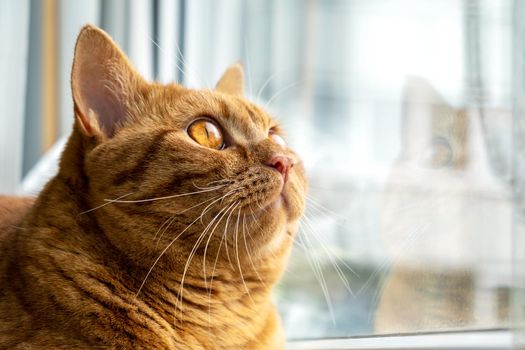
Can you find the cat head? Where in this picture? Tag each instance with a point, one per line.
(188, 169)
(435, 134)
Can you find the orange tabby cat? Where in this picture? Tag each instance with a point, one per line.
(204, 198)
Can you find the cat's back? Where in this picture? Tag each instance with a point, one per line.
(12, 211)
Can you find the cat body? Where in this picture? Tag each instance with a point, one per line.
(153, 234)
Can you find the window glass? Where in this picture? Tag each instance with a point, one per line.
(402, 113)
(408, 115)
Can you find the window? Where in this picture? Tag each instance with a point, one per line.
(409, 116)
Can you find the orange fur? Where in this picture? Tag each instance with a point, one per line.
(73, 277)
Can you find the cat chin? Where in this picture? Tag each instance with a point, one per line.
(286, 203)
(282, 205)
(278, 203)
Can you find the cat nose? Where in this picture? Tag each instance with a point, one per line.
(282, 164)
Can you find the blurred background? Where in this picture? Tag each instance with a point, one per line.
(407, 113)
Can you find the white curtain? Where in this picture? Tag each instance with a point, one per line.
(14, 29)
(24, 168)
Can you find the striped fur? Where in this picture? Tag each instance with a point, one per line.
(74, 277)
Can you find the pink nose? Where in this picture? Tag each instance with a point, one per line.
(282, 164)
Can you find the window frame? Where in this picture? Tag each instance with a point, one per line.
(491, 339)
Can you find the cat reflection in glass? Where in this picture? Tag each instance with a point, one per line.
(446, 218)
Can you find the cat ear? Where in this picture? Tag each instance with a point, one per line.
(101, 82)
(232, 81)
(423, 110)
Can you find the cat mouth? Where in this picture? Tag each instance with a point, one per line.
(279, 199)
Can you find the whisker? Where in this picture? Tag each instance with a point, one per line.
(281, 91)
(261, 89)
(377, 270)
(158, 198)
(338, 270)
(206, 188)
(219, 199)
(198, 205)
(385, 263)
(190, 67)
(300, 244)
(258, 225)
(264, 210)
(260, 207)
(192, 253)
(167, 247)
(170, 219)
(161, 254)
(215, 263)
(248, 250)
(17, 227)
(209, 239)
(328, 252)
(318, 273)
(322, 209)
(254, 219)
(239, 260)
(234, 190)
(103, 205)
(226, 243)
(181, 212)
(180, 58)
(306, 217)
(220, 182)
(164, 53)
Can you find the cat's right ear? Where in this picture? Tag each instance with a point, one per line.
(232, 81)
(102, 81)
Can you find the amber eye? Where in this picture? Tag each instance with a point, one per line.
(206, 133)
(277, 139)
(439, 155)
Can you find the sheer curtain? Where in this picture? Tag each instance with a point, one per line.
(37, 41)
(14, 28)
(36, 100)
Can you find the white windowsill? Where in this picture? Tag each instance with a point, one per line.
(471, 340)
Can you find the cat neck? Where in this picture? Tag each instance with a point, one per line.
(224, 298)
(204, 300)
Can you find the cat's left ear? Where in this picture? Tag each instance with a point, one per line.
(232, 81)
(102, 83)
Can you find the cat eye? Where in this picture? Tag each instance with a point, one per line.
(206, 133)
(442, 155)
(278, 139)
(439, 155)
